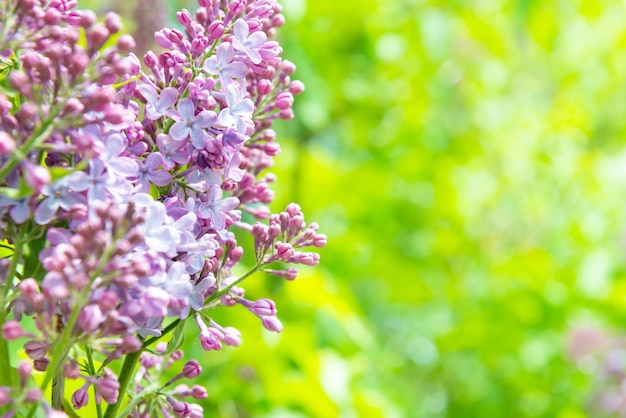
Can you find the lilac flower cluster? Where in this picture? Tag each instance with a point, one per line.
(120, 190)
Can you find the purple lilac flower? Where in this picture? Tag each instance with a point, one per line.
(58, 195)
(190, 125)
(158, 104)
(239, 110)
(214, 208)
(19, 208)
(198, 294)
(149, 173)
(112, 158)
(223, 65)
(98, 183)
(173, 152)
(248, 43)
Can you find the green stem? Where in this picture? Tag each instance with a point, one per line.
(136, 399)
(128, 370)
(5, 359)
(226, 289)
(92, 371)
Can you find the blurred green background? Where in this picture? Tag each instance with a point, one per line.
(467, 161)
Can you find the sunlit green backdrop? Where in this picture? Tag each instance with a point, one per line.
(467, 160)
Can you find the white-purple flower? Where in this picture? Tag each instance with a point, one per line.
(157, 105)
(239, 110)
(149, 173)
(99, 183)
(191, 125)
(59, 195)
(223, 65)
(112, 157)
(214, 208)
(248, 43)
(173, 152)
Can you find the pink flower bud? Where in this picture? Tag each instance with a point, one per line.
(192, 369)
(216, 30)
(108, 388)
(284, 251)
(264, 307)
(210, 338)
(90, 318)
(236, 6)
(36, 176)
(41, 365)
(113, 22)
(199, 392)
(24, 370)
(97, 37)
(162, 39)
(80, 398)
(272, 323)
(71, 370)
(126, 43)
(33, 395)
(7, 144)
(181, 409)
(296, 87)
(288, 67)
(184, 17)
(12, 330)
(35, 349)
(272, 149)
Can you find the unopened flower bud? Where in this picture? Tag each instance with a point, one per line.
(80, 398)
(199, 392)
(210, 338)
(24, 370)
(41, 365)
(35, 349)
(296, 87)
(12, 330)
(216, 30)
(272, 323)
(192, 369)
(181, 409)
(113, 22)
(264, 307)
(33, 395)
(184, 17)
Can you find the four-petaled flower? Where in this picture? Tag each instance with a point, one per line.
(59, 195)
(158, 105)
(223, 65)
(248, 44)
(191, 125)
(239, 110)
(214, 208)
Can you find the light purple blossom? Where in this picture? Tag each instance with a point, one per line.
(223, 65)
(239, 110)
(59, 195)
(149, 173)
(248, 43)
(157, 105)
(191, 125)
(99, 183)
(173, 152)
(112, 157)
(19, 208)
(214, 208)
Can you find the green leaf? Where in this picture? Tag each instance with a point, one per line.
(178, 337)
